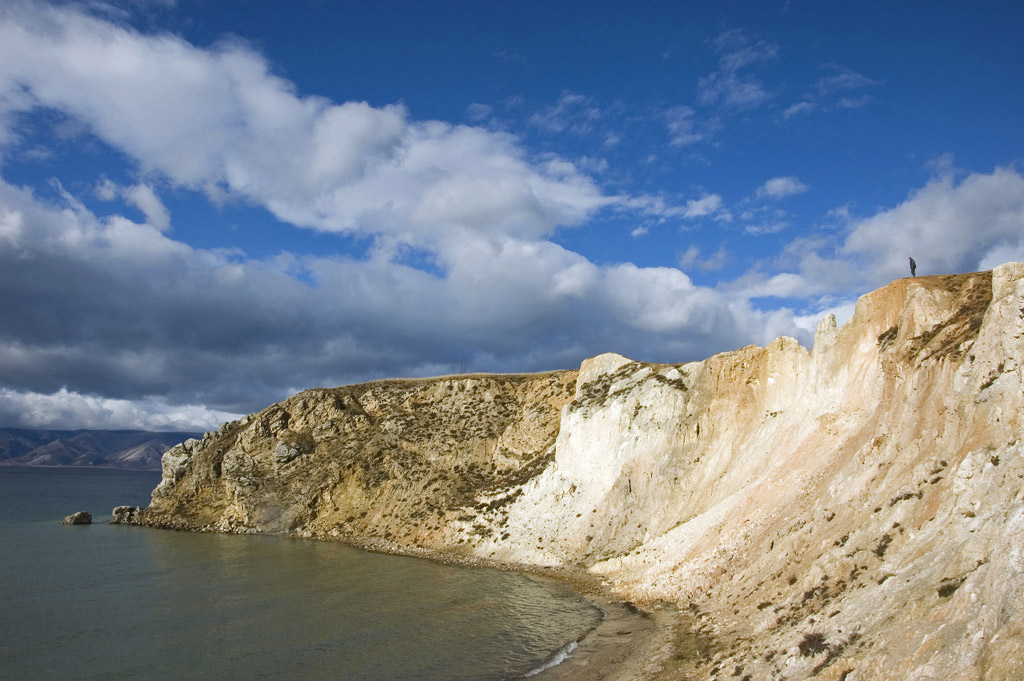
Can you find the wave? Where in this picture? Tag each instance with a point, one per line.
(559, 656)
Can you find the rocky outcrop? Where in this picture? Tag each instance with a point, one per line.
(125, 515)
(78, 518)
(394, 463)
(853, 511)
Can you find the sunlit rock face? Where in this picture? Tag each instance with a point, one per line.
(854, 511)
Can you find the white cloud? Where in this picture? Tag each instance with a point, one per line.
(798, 109)
(853, 102)
(839, 78)
(827, 93)
(573, 112)
(763, 228)
(68, 410)
(781, 187)
(104, 313)
(685, 128)
(709, 204)
(729, 87)
(478, 112)
(693, 257)
(219, 120)
(114, 312)
(946, 226)
(142, 197)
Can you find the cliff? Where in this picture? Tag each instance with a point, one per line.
(854, 511)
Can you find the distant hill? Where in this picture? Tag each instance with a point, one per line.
(135, 449)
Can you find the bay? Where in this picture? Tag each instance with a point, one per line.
(112, 602)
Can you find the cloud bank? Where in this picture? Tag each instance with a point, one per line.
(112, 322)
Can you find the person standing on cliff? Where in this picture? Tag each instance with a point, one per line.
(913, 268)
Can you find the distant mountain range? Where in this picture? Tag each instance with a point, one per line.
(135, 449)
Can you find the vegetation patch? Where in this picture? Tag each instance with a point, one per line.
(903, 497)
(993, 376)
(955, 335)
(676, 383)
(949, 586)
(888, 337)
(883, 545)
(813, 643)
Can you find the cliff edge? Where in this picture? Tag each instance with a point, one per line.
(850, 512)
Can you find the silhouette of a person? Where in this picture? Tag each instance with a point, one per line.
(913, 268)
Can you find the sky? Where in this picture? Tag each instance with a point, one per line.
(206, 207)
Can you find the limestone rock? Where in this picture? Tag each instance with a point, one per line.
(853, 511)
(78, 518)
(125, 515)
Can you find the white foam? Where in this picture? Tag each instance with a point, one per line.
(560, 656)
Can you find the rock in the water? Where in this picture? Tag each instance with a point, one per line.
(79, 518)
(125, 515)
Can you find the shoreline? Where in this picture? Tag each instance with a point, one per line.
(627, 644)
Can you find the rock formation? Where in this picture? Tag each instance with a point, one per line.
(78, 518)
(124, 515)
(850, 512)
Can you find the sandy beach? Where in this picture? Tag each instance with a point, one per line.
(629, 644)
(626, 645)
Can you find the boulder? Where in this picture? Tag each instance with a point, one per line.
(79, 518)
(125, 515)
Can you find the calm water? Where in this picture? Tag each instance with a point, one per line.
(110, 602)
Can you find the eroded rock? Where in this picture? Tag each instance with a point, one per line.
(125, 515)
(78, 518)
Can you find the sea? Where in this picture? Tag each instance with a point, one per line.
(109, 602)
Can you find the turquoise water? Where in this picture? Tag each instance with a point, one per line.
(111, 602)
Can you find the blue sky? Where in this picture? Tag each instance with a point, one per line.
(208, 206)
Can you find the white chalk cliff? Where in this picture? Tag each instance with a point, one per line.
(850, 512)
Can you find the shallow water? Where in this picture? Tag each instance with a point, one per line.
(112, 602)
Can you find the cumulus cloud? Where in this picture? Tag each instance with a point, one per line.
(709, 204)
(952, 224)
(947, 226)
(218, 119)
(781, 187)
(104, 311)
(109, 320)
(142, 197)
(103, 308)
(68, 410)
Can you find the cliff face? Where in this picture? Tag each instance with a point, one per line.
(393, 464)
(851, 512)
